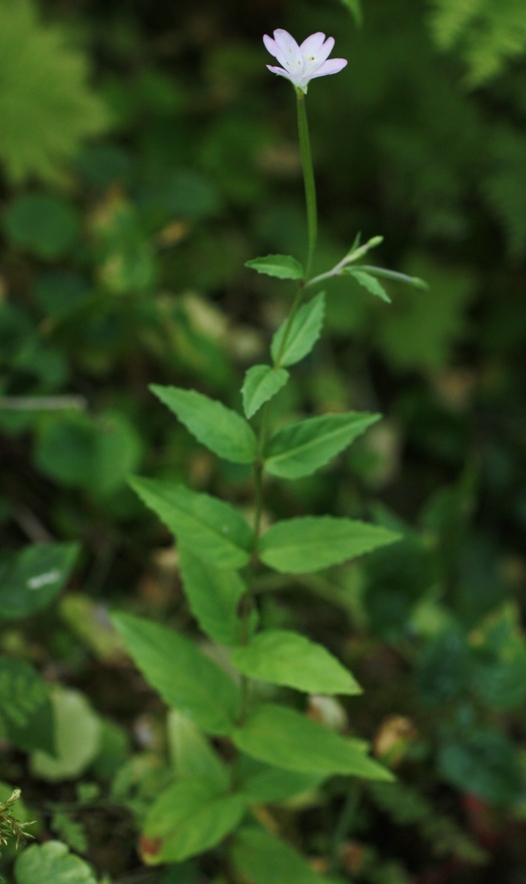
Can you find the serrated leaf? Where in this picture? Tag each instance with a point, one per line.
(283, 737)
(52, 863)
(265, 783)
(311, 543)
(192, 755)
(282, 266)
(213, 595)
(301, 448)
(262, 858)
(369, 282)
(262, 382)
(286, 658)
(304, 331)
(181, 674)
(46, 107)
(210, 528)
(188, 818)
(31, 580)
(77, 737)
(222, 430)
(25, 706)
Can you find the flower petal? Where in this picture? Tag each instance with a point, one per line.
(276, 70)
(290, 56)
(333, 66)
(320, 57)
(312, 44)
(271, 45)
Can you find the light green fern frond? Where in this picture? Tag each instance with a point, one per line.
(486, 33)
(46, 106)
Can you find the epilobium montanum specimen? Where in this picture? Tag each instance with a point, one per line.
(275, 751)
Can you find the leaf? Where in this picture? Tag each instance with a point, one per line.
(261, 383)
(34, 577)
(268, 784)
(373, 285)
(311, 543)
(483, 764)
(286, 658)
(45, 225)
(301, 448)
(192, 755)
(499, 660)
(303, 333)
(71, 831)
(262, 858)
(25, 707)
(181, 674)
(222, 430)
(213, 595)
(355, 8)
(52, 863)
(46, 106)
(188, 818)
(282, 266)
(285, 738)
(210, 528)
(77, 737)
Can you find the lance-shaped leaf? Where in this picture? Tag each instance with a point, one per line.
(222, 430)
(311, 543)
(261, 383)
(303, 333)
(189, 817)
(282, 266)
(286, 658)
(283, 737)
(267, 784)
(182, 675)
(214, 595)
(210, 528)
(263, 858)
(192, 755)
(301, 448)
(369, 282)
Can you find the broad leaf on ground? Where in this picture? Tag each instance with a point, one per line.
(26, 713)
(311, 543)
(31, 580)
(182, 675)
(52, 863)
(209, 527)
(287, 658)
(78, 731)
(222, 430)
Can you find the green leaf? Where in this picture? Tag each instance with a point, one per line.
(286, 658)
(192, 755)
(181, 674)
(311, 543)
(25, 706)
(210, 528)
(282, 266)
(499, 660)
(355, 8)
(34, 577)
(213, 595)
(483, 764)
(188, 818)
(77, 737)
(261, 383)
(70, 830)
(44, 225)
(222, 430)
(283, 737)
(262, 858)
(52, 863)
(304, 332)
(267, 784)
(373, 285)
(301, 448)
(46, 106)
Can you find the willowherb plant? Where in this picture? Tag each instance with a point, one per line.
(278, 751)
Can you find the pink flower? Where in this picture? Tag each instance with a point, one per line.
(300, 64)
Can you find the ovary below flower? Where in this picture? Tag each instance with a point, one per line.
(300, 64)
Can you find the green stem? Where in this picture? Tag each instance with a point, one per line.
(308, 179)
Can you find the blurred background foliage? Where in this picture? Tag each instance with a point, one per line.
(146, 153)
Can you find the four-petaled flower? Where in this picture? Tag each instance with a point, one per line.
(300, 64)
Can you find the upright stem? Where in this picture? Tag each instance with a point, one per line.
(308, 179)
